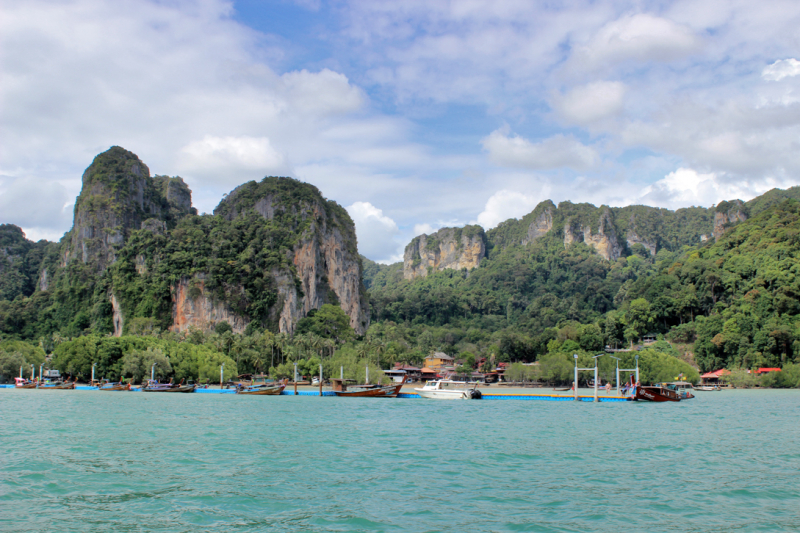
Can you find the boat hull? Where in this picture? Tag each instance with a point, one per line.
(442, 394)
(656, 394)
(116, 388)
(178, 388)
(262, 391)
(60, 386)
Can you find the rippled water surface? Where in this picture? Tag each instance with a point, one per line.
(92, 461)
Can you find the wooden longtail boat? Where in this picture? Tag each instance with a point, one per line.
(56, 385)
(154, 386)
(369, 391)
(21, 383)
(656, 394)
(263, 389)
(115, 386)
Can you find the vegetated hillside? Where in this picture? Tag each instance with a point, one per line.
(523, 298)
(139, 259)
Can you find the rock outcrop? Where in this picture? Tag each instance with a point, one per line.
(325, 257)
(448, 248)
(726, 214)
(116, 197)
(633, 238)
(192, 306)
(604, 241)
(542, 222)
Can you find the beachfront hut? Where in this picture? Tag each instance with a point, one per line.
(766, 370)
(427, 373)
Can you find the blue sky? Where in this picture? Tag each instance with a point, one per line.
(414, 115)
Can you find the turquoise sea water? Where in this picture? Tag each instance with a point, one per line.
(92, 461)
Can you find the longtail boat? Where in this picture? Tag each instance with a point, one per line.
(656, 394)
(22, 383)
(367, 391)
(57, 385)
(262, 389)
(109, 386)
(155, 386)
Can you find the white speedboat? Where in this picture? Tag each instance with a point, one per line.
(445, 389)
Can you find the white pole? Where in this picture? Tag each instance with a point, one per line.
(637, 369)
(295, 372)
(617, 382)
(595, 379)
(93, 365)
(33, 372)
(221, 373)
(153, 372)
(575, 383)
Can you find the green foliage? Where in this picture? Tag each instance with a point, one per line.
(132, 357)
(329, 322)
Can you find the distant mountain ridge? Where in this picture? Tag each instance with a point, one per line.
(612, 232)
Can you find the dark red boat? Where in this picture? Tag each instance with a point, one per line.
(656, 394)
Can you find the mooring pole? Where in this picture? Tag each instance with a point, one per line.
(320, 379)
(595, 379)
(616, 382)
(575, 383)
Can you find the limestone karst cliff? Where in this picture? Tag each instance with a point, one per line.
(448, 248)
(324, 256)
(726, 214)
(117, 196)
(603, 238)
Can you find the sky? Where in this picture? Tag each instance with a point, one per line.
(413, 115)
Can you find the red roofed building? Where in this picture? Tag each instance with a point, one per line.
(764, 370)
(713, 377)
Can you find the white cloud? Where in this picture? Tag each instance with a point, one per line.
(505, 204)
(377, 233)
(425, 228)
(214, 158)
(783, 68)
(592, 102)
(557, 151)
(25, 202)
(641, 37)
(686, 186)
(325, 92)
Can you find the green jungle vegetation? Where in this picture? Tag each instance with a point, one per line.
(734, 303)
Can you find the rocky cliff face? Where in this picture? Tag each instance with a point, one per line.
(116, 197)
(448, 248)
(604, 241)
(542, 222)
(324, 258)
(193, 306)
(728, 213)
